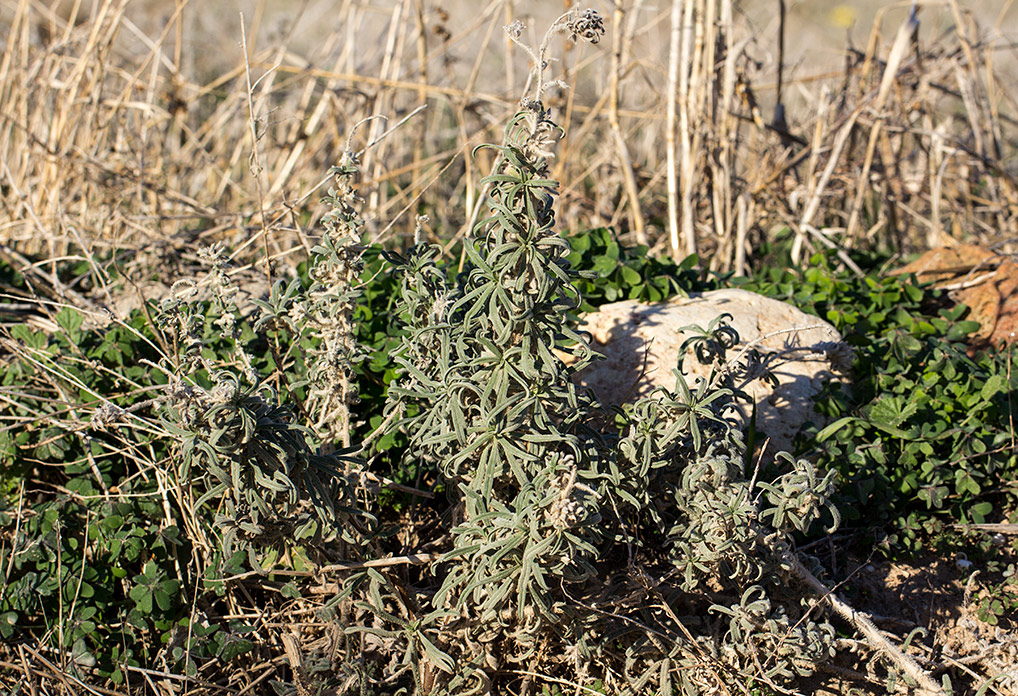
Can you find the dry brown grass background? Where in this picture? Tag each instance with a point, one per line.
(133, 128)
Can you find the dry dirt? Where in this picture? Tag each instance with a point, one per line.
(938, 599)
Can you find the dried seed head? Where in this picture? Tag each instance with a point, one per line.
(839, 353)
(588, 25)
(566, 514)
(224, 391)
(419, 224)
(107, 414)
(212, 254)
(514, 30)
(228, 323)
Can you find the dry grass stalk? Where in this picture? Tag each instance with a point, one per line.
(620, 41)
(672, 162)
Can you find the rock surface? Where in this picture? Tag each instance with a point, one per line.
(641, 343)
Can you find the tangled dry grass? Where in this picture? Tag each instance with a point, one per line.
(122, 142)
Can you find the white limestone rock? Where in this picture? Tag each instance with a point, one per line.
(641, 344)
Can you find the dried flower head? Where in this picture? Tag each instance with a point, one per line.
(839, 353)
(542, 131)
(514, 30)
(419, 224)
(588, 25)
(105, 415)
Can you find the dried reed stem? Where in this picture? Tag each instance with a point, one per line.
(675, 40)
(625, 162)
(687, 161)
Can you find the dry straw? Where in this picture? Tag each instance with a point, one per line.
(114, 140)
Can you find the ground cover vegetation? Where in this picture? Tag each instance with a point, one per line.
(263, 431)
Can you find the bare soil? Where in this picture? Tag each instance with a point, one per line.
(931, 605)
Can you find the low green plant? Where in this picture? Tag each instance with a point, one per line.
(67, 566)
(89, 556)
(999, 604)
(923, 430)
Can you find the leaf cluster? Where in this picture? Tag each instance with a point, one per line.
(608, 271)
(923, 431)
(95, 576)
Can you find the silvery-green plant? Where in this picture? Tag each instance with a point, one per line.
(497, 414)
(586, 550)
(251, 459)
(328, 309)
(243, 451)
(321, 315)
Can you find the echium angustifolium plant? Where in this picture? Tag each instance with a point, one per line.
(242, 450)
(643, 560)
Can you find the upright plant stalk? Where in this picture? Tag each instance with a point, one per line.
(481, 353)
(497, 412)
(688, 154)
(329, 306)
